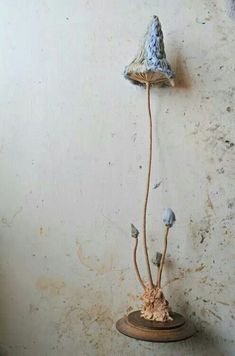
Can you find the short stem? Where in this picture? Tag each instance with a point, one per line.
(162, 259)
(135, 264)
(158, 275)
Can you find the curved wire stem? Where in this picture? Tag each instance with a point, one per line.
(159, 276)
(135, 264)
(148, 85)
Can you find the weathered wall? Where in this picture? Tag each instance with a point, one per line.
(73, 168)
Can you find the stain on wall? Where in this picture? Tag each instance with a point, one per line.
(50, 286)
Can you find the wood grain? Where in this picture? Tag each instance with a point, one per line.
(139, 328)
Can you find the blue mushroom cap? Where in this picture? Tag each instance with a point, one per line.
(151, 65)
(169, 217)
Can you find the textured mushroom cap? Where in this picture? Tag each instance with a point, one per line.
(150, 65)
(169, 217)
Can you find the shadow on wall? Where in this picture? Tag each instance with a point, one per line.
(231, 8)
(204, 339)
(3, 351)
(182, 77)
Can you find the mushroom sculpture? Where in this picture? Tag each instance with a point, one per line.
(155, 321)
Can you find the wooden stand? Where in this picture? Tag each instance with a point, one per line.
(139, 328)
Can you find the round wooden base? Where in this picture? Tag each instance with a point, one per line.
(139, 328)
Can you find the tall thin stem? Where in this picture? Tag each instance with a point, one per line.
(162, 259)
(147, 188)
(135, 264)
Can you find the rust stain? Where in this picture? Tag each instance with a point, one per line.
(209, 203)
(94, 263)
(204, 280)
(171, 281)
(41, 231)
(201, 230)
(200, 268)
(100, 314)
(182, 274)
(50, 286)
(97, 314)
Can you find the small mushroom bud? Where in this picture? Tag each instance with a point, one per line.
(157, 259)
(134, 232)
(169, 217)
